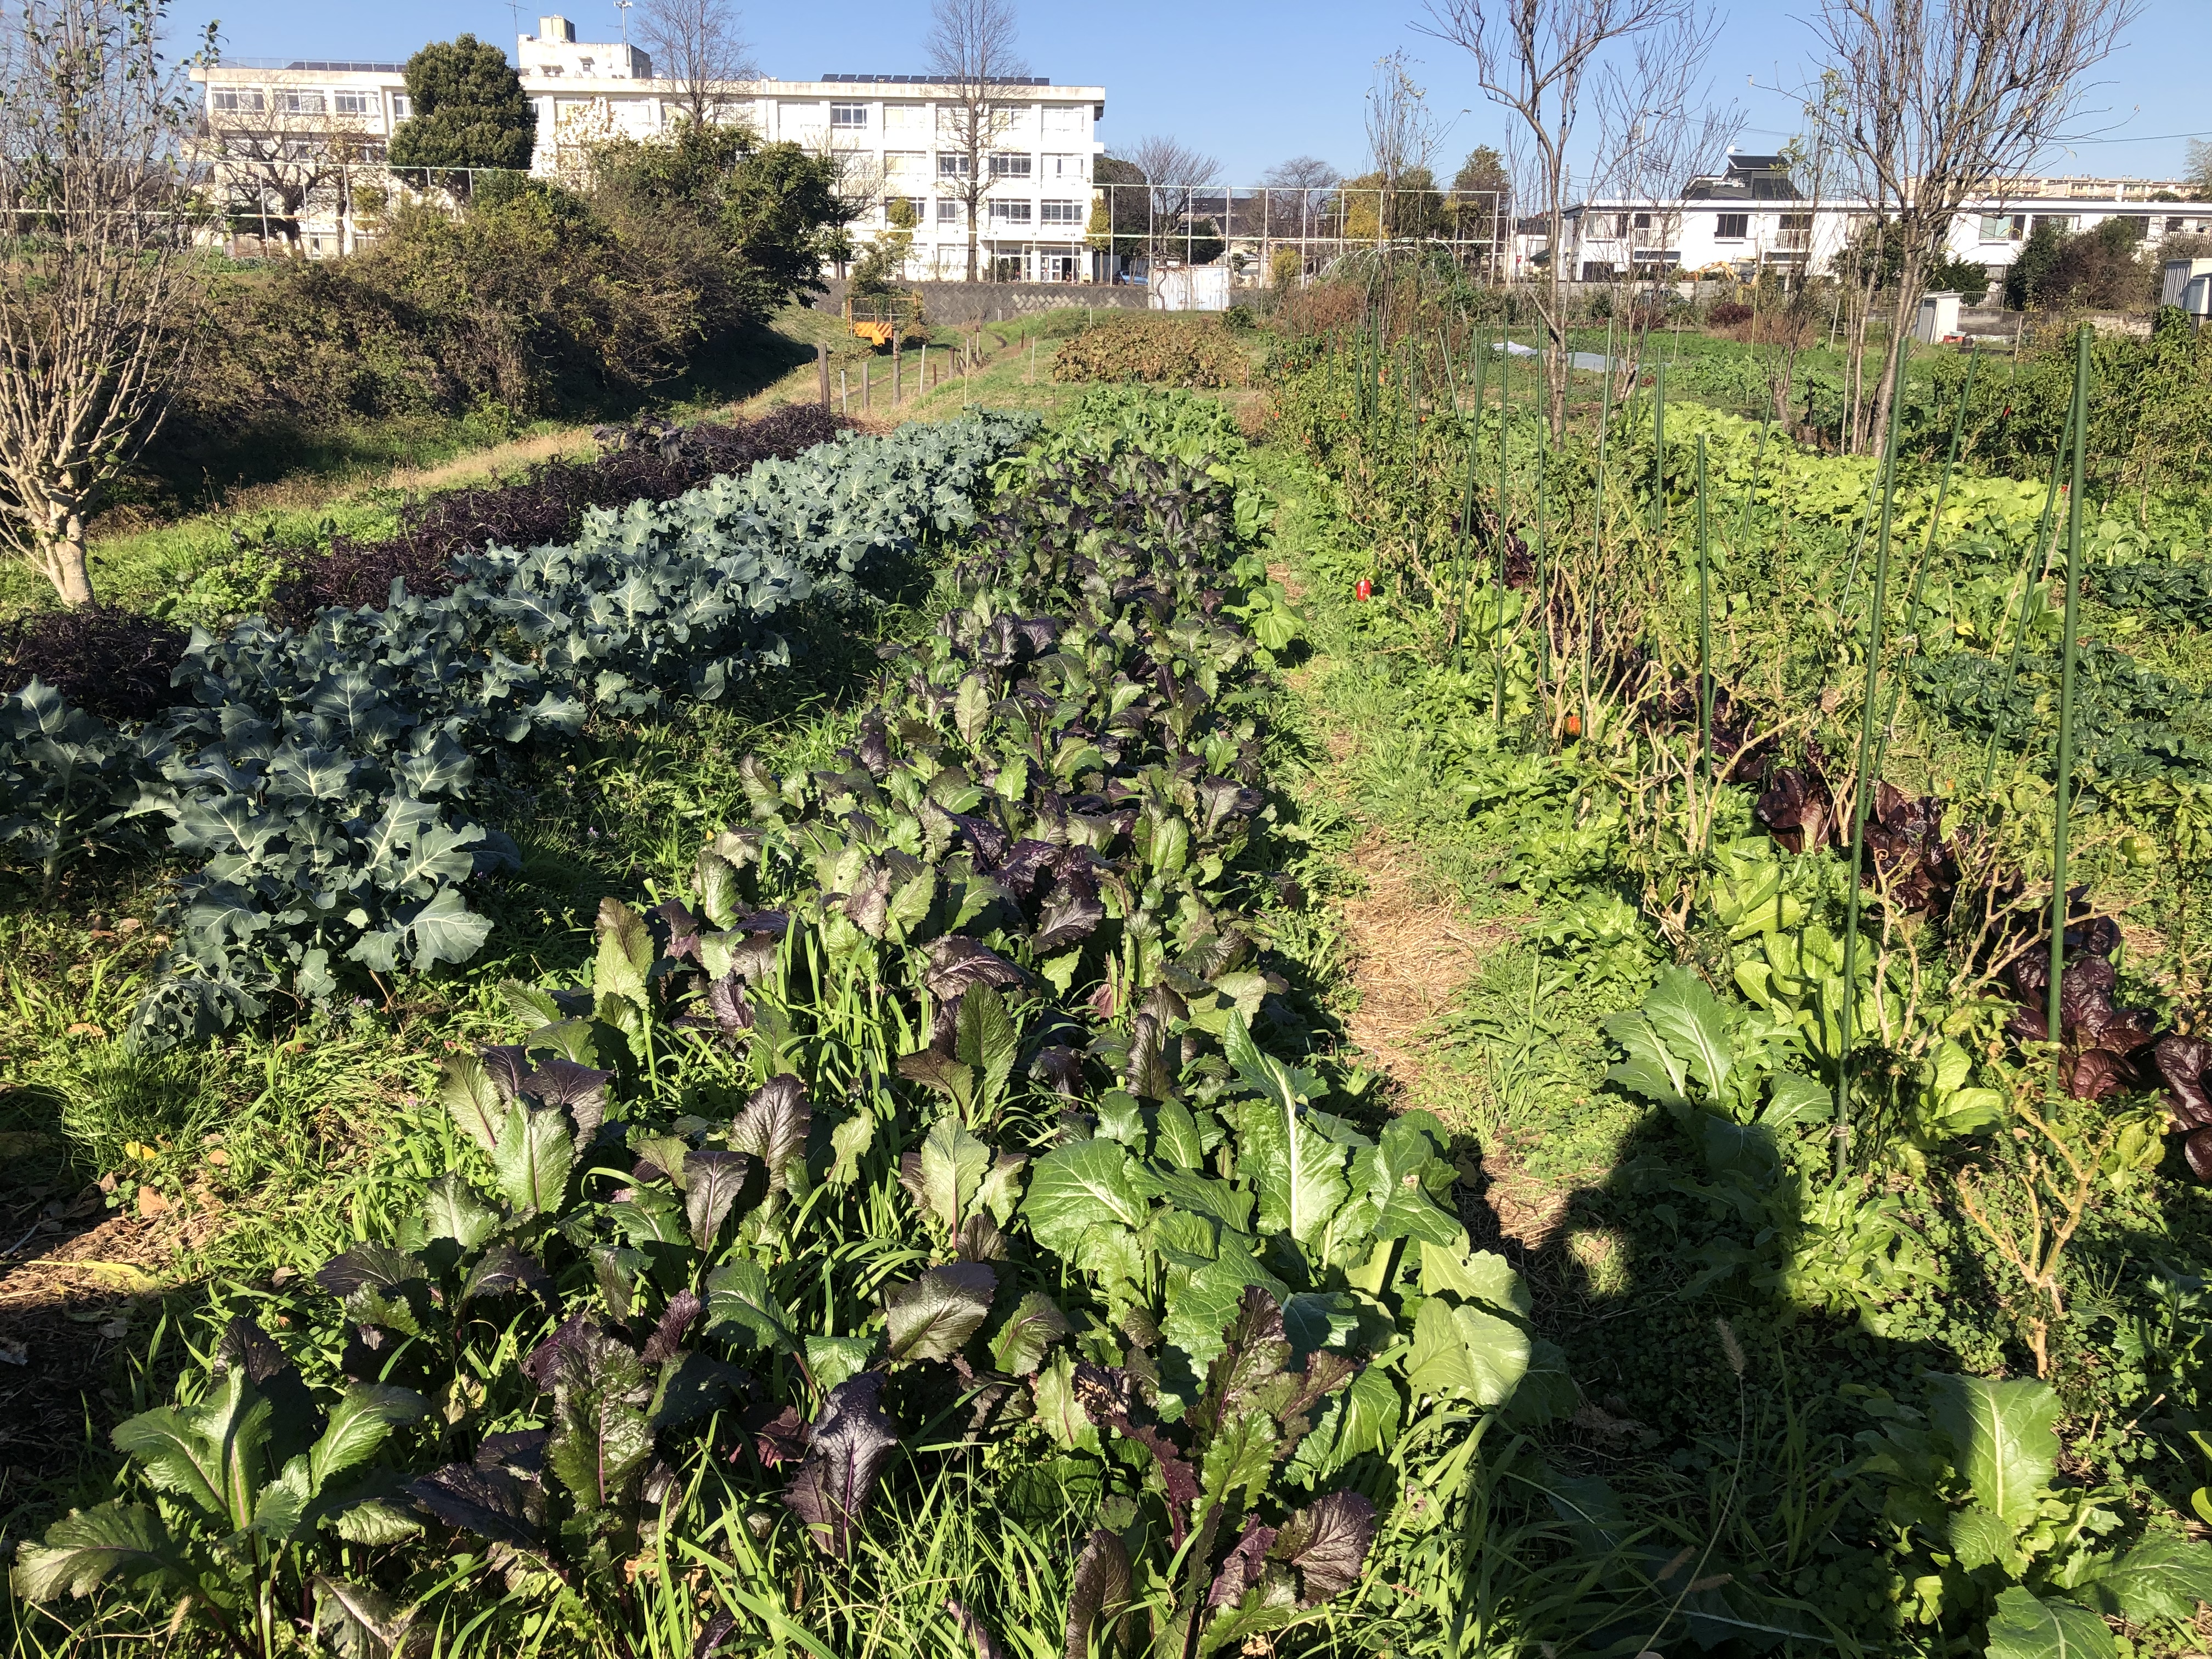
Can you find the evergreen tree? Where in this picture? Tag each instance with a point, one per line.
(469, 109)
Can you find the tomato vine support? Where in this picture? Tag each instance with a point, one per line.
(2062, 802)
(1927, 557)
(1861, 784)
(2067, 438)
(1704, 629)
(1498, 620)
(1597, 529)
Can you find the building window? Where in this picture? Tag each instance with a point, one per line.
(906, 118)
(1060, 213)
(2063, 221)
(952, 166)
(1010, 167)
(354, 103)
(1074, 169)
(303, 103)
(913, 209)
(1010, 212)
(2003, 227)
(1731, 226)
(1642, 222)
(948, 213)
(1065, 119)
(402, 106)
(848, 115)
(230, 101)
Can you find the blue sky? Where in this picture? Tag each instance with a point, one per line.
(1250, 81)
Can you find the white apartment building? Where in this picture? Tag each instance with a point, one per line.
(1752, 217)
(893, 132)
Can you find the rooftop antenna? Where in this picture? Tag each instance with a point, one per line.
(623, 6)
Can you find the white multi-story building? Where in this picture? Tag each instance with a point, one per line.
(1752, 217)
(893, 133)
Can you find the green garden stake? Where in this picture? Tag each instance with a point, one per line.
(1597, 528)
(1704, 629)
(1497, 621)
(1861, 784)
(2062, 802)
(1927, 557)
(1750, 495)
(2028, 580)
(1543, 574)
(1474, 453)
(1659, 450)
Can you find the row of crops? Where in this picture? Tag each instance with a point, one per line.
(326, 776)
(1934, 1166)
(943, 1164)
(933, 1217)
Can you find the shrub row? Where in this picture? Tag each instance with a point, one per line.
(322, 776)
(1155, 351)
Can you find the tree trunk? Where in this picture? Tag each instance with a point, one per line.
(1910, 277)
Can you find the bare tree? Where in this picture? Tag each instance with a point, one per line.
(1300, 195)
(280, 148)
(1402, 135)
(93, 299)
(1534, 58)
(1944, 95)
(1175, 174)
(971, 58)
(1657, 130)
(695, 44)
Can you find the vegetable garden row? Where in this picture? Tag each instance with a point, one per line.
(1686, 679)
(926, 1142)
(937, 1218)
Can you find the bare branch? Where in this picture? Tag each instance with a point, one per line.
(696, 44)
(1534, 59)
(1942, 97)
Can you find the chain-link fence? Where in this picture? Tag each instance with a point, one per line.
(300, 200)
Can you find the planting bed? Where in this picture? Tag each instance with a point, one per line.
(914, 1190)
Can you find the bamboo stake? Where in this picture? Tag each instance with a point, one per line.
(1860, 781)
(1659, 450)
(2062, 805)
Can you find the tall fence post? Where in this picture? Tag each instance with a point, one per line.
(822, 370)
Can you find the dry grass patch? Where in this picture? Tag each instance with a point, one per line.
(1410, 954)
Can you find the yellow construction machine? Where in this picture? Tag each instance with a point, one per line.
(880, 318)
